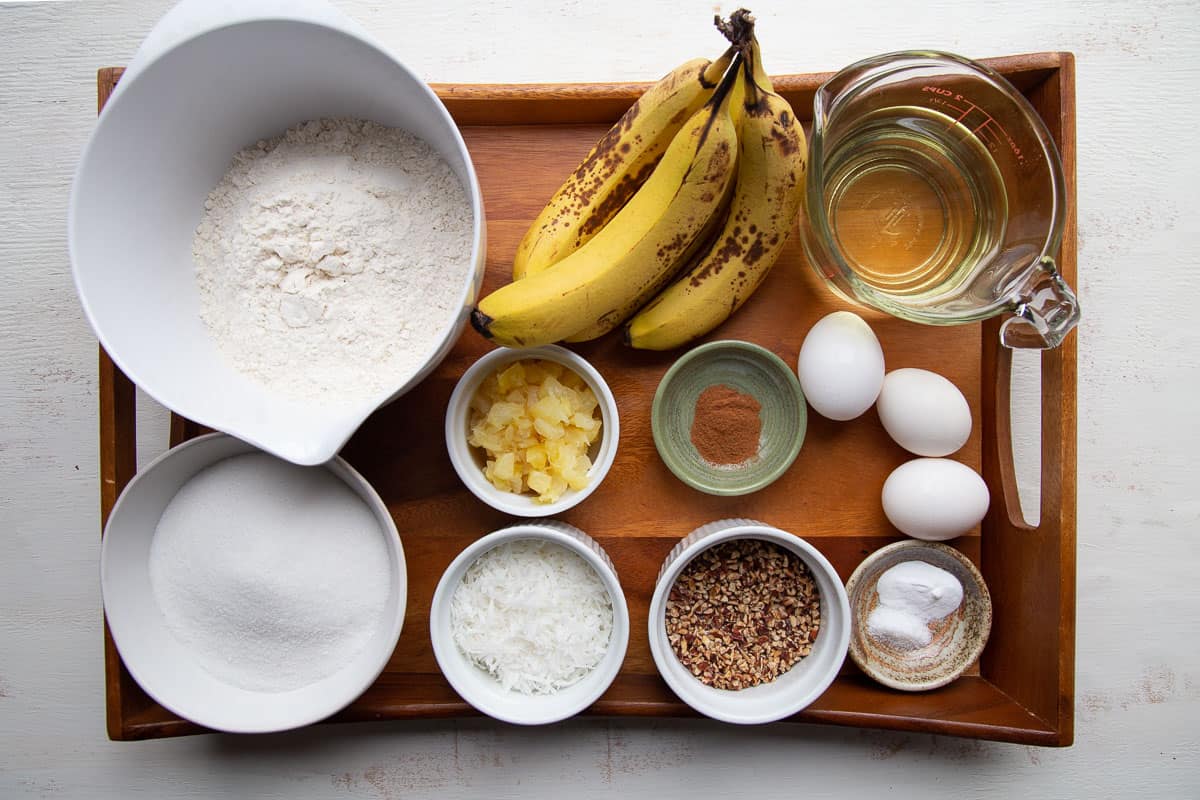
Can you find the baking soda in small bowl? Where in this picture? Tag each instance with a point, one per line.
(272, 576)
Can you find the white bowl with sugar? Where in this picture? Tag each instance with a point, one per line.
(247, 594)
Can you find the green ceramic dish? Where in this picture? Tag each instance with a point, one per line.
(751, 370)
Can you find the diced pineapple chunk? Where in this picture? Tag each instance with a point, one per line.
(505, 466)
(539, 481)
(547, 429)
(511, 377)
(535, 420)
(552, 409)
(536, 457)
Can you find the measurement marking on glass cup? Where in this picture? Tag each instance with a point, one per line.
(991, 125)
(979, 129)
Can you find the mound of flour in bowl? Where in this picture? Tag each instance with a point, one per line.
(330, 260)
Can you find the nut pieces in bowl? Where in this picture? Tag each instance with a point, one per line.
(771, 648)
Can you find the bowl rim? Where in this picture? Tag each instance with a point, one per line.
(351, 415)
(458, 407)
(857, 584)
(390, 629)
(450, 660)
(763, 356)
(710, 535)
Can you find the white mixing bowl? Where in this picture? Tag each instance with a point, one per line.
(203, 86)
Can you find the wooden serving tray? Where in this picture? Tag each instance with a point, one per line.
(524, 140)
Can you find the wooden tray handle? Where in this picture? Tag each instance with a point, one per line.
(118, 434)
(1057, 411)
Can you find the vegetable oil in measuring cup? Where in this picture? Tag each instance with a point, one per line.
(915, 201)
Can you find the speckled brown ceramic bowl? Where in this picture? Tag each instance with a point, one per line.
(957, 640)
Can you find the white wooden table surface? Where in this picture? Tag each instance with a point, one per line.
(1138, 690)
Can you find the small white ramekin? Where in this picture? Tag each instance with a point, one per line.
(790, 692)
(468, 461)
(480, 689)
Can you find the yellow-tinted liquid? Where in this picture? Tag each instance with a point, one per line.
(915, 202)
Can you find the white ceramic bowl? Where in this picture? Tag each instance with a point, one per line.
(480, 689)
(469, 461)
(163, 666)
(790, 692)
(203, 87)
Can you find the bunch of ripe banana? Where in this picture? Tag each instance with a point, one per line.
(672, 220)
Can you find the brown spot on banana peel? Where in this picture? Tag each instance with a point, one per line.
(756, 252)
(785, 139)
(608, 141)
(728, 251)
(676, 245)
(718, 165)
(732, 248)
(615, 200)
(609, 319)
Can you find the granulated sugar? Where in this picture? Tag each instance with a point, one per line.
(330, 260)
(274, 576)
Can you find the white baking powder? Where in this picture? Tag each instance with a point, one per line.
(273, 576)
(912, 594)
(331, 260)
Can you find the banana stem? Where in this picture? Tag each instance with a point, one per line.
(738, 29)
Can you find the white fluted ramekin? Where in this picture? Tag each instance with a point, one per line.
(790, 692)
(482, 690)
(468, 461)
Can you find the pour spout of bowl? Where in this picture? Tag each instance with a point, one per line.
(307, 438)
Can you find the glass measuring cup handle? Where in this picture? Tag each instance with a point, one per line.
(1047, 309)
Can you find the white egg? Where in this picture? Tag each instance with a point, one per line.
(924, 412)
(840, 366)
(934, 498)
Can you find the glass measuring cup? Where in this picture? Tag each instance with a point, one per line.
(936, 194)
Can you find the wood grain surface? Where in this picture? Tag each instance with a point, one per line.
(1137, 675)
(830, 496)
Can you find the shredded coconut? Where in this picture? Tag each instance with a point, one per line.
(532, 614)
(273, 576)
(330, 260)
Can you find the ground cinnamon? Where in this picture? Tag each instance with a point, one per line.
(726, 426)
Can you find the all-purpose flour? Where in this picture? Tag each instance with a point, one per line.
(331, 259)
